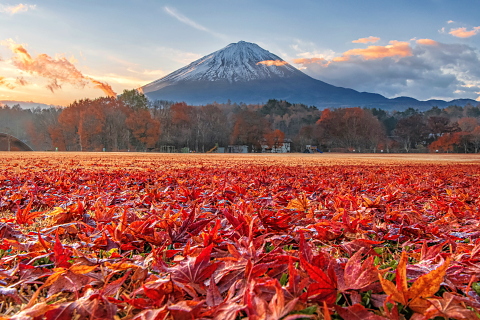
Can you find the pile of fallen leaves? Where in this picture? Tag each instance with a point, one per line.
(258, 241)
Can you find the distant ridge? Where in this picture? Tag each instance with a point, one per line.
(26, 104)
(244, 72)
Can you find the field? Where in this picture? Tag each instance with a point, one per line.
(195, 236)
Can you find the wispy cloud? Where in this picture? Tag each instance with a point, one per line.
(464, 33)
(180, 17)
(370, 39)
(17, 8)
(57, 70)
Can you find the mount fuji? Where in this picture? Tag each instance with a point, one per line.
(244, 72)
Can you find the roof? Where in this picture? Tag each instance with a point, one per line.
(10, 143)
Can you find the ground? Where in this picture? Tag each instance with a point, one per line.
(230, 236)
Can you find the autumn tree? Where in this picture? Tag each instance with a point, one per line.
(306, 136)
(275, 139)
(212, 127)
(249, 128)
(446, 143)
(475, 139)
(411, 131)
(115, 134)
(134, 99)
(468, 124)
(352, 128)
(145, 130)
(39, 126)
(439, 125)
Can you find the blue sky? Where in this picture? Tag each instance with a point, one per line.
(60, 51)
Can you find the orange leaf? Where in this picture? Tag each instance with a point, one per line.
(426, 286)
(300, 203)
(82, 269)
(401, 278)
(391, 290)
(121, 265)
(50, 280)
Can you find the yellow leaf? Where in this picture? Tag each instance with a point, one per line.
(391, 290)
(82, 269)
(56, 210)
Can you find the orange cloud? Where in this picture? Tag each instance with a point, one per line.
(103, 86)
(340, 59)
(58, 70)
(427, 42)
(5, 83)
(277, 63)
(21, 81)
(394, 49)
(367, 40)
(305, 61)
(16, 9)
(463, 33)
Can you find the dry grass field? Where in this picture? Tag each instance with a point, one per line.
(37, 160)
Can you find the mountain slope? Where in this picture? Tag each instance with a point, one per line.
(244, 72)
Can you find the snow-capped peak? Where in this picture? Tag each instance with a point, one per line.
(237, 62)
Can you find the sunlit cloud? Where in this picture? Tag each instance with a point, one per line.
(6, 83)
(427, 42)
(180, 17)
(423, 68)
(464, 33)
(56, 70)
(307, 61)
(450, 21)
(394, 49)
(370, 39)
(277, 63)
(17, 8)
(21, 81)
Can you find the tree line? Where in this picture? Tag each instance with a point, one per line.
(130, 122)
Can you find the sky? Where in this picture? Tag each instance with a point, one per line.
(56, 52)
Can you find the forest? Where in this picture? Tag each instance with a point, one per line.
(130, 122)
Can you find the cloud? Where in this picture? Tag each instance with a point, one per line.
(17, 8)
(450, 21)
(57, 70)
(21, 81)
(370, 39)
(277, 63)
(4, 82)
(423, 69)
(427, 42)
(307, 61)
(180, 17)
(463, 33)
(394, 49)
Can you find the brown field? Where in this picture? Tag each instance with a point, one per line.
(37, 160)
